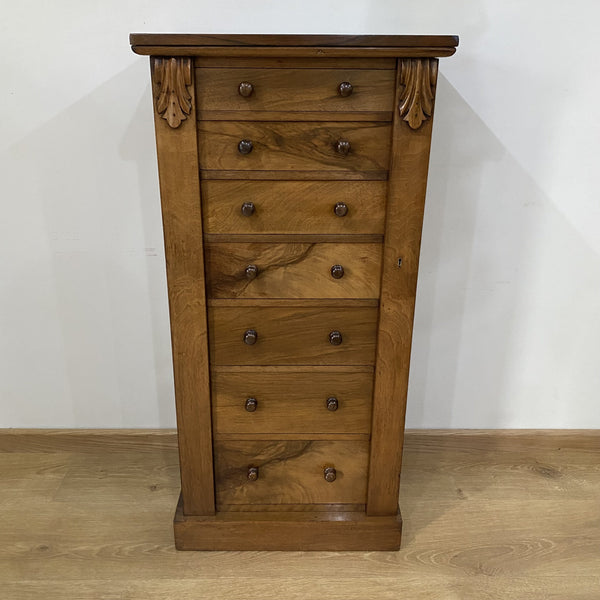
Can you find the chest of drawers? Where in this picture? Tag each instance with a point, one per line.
(292, 173)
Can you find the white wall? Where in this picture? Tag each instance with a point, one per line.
(508, 318)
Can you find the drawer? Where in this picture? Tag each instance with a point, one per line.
(326, 207)
(292, 336)
(298, 90)
(309, 402)
(291, 472)
(293, 146)
(268, 270)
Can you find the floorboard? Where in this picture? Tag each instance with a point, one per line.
(487, 515)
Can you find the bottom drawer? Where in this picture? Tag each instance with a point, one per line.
(291, 472)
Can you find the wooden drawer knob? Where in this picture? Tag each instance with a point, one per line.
(332, 404)
(251, 272)
(337, 271)
(329, 473)
(248, 209)
(335, 338)
(342, 147)
(245, 89)
(345, 89)
(245, 147)
(250, 337)
(251, 404)
(340, 209)
(252, 473)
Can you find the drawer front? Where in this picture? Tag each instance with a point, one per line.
(267, 270)
(302, 90)
(291, 472)
(292, 336)
(295, 403)
(294, 146)
(325, 207)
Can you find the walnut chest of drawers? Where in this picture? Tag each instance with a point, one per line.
(292, 173)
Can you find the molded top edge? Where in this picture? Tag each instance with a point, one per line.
(139, 40)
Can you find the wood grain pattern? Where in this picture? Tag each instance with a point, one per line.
(293, 403)
(294, 90)
(489, 514)
(309, 508)
(273, 115)
(361, 437)
(292, 270)
(293, 146)
(262, 40)
(182, 225)
(288, 303)
(314, 52)
(332, 530)
(292, 336)
(404, 221)
(293, 207)
(305, 175)
(322, 530)
(294, 63)
(301, 238)
(292, 369)
(290, 472)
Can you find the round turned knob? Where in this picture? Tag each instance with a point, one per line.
(245, 89)
(341, 147)
(332, 403)
(253, 473)
(335, 338)
(345, 89)
(251, 404)
(251, 272)
(248, 209)
(250, 337)
(245, 147)
(340, 209)
(329, 473)
(337, 271)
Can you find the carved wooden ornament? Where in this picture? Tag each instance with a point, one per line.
(173, 100)
(418, 76)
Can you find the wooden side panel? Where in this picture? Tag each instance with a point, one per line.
(405, 206)
(182, 222)
(292, 402)
(293, 207)
(293, 146)
(293, 270)
(292, 336)
(291, 472)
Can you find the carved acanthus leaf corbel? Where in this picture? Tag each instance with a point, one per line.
(418, 76)
(173, 99)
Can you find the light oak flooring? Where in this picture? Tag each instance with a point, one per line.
(486, 515)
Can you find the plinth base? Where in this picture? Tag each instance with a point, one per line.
(286, 531)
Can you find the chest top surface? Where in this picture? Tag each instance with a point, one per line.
(173, 44)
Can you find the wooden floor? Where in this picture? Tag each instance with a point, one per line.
(506, 515)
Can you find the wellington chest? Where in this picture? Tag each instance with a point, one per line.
(292, 175)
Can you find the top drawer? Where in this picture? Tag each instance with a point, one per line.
(305, 91)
